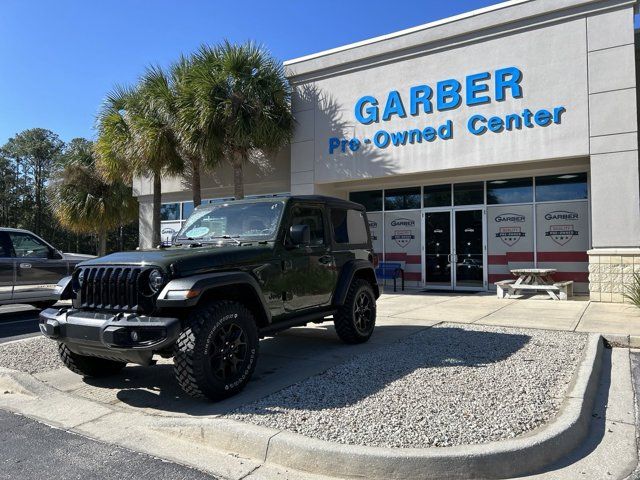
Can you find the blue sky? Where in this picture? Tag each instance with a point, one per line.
(59, 58)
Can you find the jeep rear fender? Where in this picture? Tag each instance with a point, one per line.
(187, 292)
(354, 269)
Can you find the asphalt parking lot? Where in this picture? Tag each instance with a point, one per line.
(18, 321)
(29, 448)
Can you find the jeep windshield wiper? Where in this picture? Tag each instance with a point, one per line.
(229, 237)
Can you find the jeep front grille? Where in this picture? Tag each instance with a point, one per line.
(111, 288)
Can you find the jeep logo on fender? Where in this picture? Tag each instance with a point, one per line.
(403, 222)
(510, 217)
(562, 215)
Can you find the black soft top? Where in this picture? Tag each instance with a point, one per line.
(329, 201)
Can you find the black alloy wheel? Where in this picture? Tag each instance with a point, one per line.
(356, 318)
(363, 312)
(228, 351)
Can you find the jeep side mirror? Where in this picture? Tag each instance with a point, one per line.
(300, 234)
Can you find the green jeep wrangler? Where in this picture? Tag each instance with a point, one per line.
(236, 272)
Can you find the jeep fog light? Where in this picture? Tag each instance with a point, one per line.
(134, 335)
(181, 294)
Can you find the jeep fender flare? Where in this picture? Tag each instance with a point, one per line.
(349, 271)
(201, 284)
(63, 289)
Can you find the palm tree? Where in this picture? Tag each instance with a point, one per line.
(83, 201)
(171, 97)
(241, 104)
(135, 138)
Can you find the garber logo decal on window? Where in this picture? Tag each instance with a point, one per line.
(373, 224)
(510, 235)
(403, 237)
(561, 234)
(403, 222)
(562, 215)
(510, 217)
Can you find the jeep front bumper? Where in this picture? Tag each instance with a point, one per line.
(125, 337)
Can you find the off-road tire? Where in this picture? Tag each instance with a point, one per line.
(88, 366)
(348, 327)
(200, 363)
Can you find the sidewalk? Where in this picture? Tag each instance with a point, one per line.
(617, 322)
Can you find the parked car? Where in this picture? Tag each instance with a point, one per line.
(30, 268)
(236, 272)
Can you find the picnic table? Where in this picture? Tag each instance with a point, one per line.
(535, 280)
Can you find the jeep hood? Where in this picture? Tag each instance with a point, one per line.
(190, 260)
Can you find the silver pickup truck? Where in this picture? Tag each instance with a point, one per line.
(30, 268)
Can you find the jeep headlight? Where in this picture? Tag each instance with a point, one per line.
(156, 280)
(81, 278)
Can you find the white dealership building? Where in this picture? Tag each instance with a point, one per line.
(505, 137)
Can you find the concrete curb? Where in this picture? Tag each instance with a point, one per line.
(501, 459)
(622, 341)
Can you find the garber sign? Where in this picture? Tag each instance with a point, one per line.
(479, 89)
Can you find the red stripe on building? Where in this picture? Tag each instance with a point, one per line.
(580, 277)
(402, 257)
(563, 257)
(497, 260)
(510, 257)
(520, 256)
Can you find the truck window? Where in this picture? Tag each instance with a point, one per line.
(348, 226)
(311, 216)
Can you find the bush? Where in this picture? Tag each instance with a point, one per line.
(633, 291)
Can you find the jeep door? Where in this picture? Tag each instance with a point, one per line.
(308, 271)
(38, 267)
(7, 268)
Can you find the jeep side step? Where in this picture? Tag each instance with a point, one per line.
(298, 321)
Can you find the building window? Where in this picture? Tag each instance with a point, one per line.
(437, 196)
(568, 186)
(371, 200)
(187, 209)
(402, 198)
(169, 212)
(516, 190)
(468, 193)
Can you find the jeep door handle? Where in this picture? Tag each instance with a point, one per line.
(25, 265)
(326, 259)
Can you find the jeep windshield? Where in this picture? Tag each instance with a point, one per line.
(234, 222)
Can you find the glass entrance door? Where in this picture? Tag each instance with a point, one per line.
(469, 249)
(437, 249)
(454, 249)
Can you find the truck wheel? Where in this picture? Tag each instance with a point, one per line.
(88, 366)
(356, 319)
(216, 355)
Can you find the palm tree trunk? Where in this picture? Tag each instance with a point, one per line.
(157, 202)
(195, 183)
(238, 181)
(102, 244)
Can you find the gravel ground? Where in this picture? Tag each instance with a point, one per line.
(34, 355)
(448, 385)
